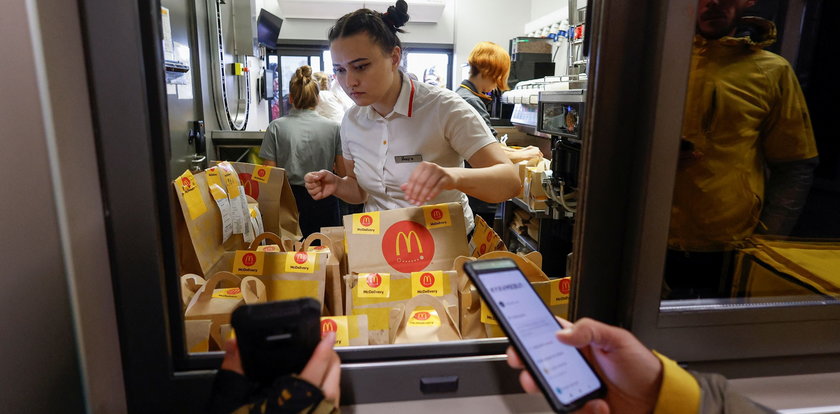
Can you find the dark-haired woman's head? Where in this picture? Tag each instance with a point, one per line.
(366, 51)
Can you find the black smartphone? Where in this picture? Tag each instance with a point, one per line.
(276, 338)
(565, 377)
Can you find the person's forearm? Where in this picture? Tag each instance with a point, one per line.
(348, 189)
(491, 184)
(785, 195)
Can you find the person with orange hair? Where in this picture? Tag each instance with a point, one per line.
(489, 70)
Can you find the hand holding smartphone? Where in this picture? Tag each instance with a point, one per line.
(276, 338)
(564, 376)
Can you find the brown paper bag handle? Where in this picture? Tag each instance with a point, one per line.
(267, 236)
(253, 290)
(532, 272)
(190, 282)
(214, 281)
(325, 241)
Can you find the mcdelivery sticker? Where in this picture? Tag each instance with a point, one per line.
(437, 215)
(431, 283)
(366, 223)
(261, 174)
(246, 262)
(560, 289)
(229, 293)
(408, 246)
(337, 324)
(189, 188)
(424, 316)
(373, 285)
(299, 262)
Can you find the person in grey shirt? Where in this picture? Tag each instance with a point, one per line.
(304, 141)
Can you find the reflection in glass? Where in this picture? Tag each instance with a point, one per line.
(746, 165)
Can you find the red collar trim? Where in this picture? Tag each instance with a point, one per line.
(411, 98)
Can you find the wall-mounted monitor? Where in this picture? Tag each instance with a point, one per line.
(268, 29)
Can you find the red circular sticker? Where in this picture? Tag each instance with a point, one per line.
(565, 286)
(249, 259)
(437, 214)
(427, 279)
(482, 249)
(252, 188)
(328, 325)
(374, 280)
(233, 291)
(422, 316)
(185, 182)
(261, 173)
(366, 220)
(301, 257)
(408, 246)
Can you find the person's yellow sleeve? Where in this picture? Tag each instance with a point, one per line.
(679, 392)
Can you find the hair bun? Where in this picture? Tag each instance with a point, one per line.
(304, 71)
(397, 15)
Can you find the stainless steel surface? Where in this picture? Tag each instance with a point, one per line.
(182, 112)
(237, 134)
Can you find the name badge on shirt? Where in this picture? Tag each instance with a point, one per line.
(400, 159)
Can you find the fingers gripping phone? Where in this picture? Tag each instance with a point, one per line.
(276, 338)
(565, 377)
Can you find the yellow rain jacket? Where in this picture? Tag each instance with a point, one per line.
(744, 109)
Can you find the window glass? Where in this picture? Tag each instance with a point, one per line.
(754, 214)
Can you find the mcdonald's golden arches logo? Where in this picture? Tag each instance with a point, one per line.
(408, 246)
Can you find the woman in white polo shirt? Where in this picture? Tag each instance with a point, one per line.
(405, 142)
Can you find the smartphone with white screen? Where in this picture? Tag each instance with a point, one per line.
(565, 377)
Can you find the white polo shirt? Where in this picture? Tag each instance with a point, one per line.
(428, 123)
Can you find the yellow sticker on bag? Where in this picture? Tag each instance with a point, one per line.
(300, 262)
(246, 262)
(261, 174)
(231, 179)
(486, 316)
(230, 293)
(424, 316)
(337, 324)
(560, 289)
(189, 188)
(437, 215)
(214, 177)
(431, 282)
(366, 223)
(373, 285)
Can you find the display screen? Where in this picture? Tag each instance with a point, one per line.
(565, 371)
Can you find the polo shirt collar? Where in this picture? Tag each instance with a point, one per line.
(405, 100)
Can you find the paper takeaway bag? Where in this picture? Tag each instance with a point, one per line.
(349, 330)
(215, 303)
(286, 275)
(485, 239)
(336, 235)
(474, 313)
(199, 226)
(424, 318)
(374, 294)
(333, 300)
(269, 186)
(406, 240)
